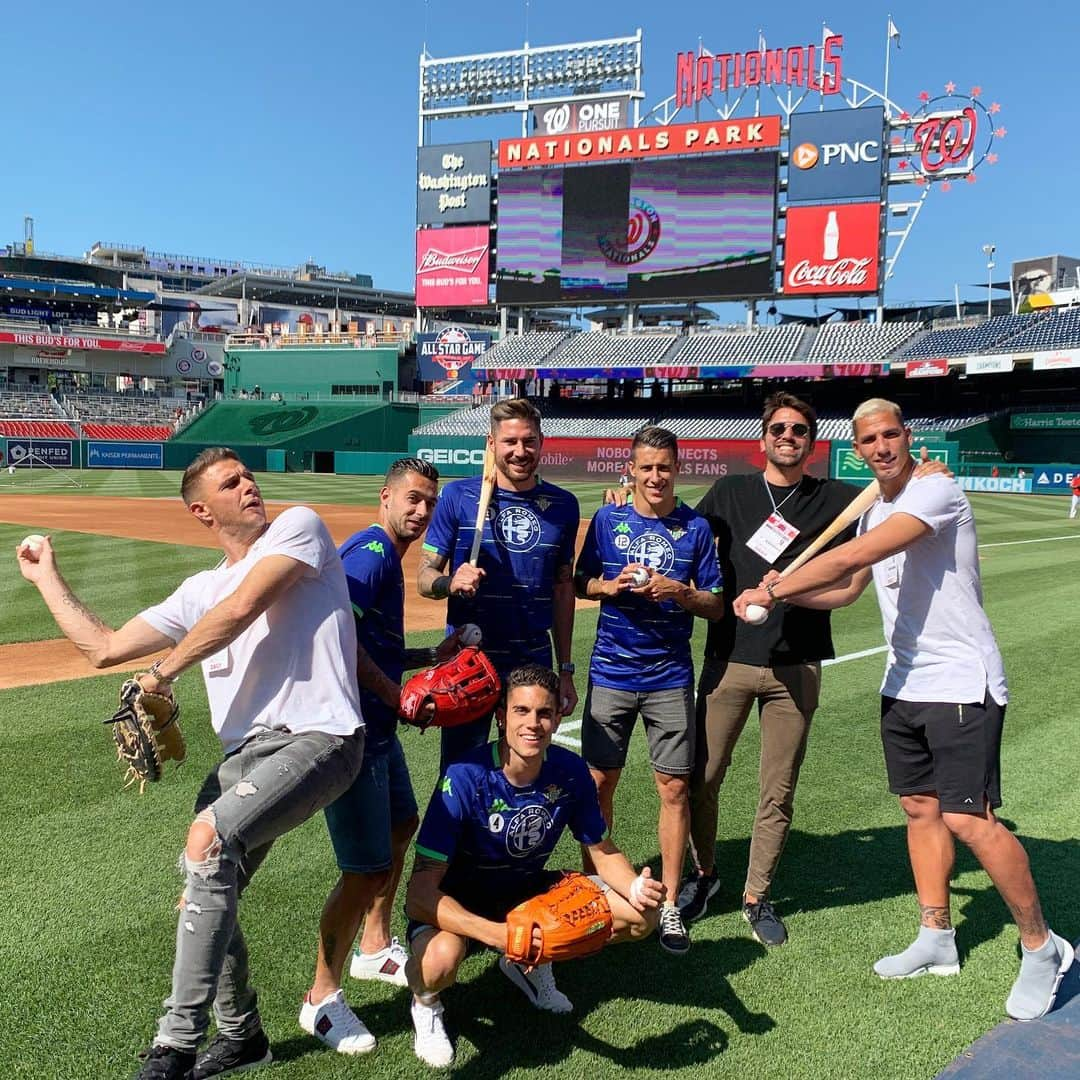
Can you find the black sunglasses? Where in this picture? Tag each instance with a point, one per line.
(800, 431)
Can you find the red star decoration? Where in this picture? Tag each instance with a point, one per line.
(950, 86)
(995, 107)
(946, 186)
(905, 115)
(1000, 133)
(976, 91)
(896, 140)
(924, 96)
(991, 159)
(920, 179)
(970, 178)
(902, 165)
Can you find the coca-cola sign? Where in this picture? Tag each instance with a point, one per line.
(452, 266)
(832, 250)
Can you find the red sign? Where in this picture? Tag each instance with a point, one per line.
(926, 369)
(700, 460)
(754, 133)
(832, 250)
(64, 341)
(817, 67)
(452, 266)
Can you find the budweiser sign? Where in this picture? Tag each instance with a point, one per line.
(452, 266)
(832, 250)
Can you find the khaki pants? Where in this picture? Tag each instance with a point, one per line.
(787, 696)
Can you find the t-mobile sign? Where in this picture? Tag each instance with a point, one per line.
(452, 266)
(831, 250)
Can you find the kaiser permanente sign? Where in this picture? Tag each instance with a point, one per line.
(756, 133)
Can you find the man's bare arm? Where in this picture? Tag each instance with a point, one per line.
(432, 580)
(426, 902)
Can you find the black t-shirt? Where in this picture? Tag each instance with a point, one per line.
(736, 507)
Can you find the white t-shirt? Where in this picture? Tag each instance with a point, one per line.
(941, 644)
(295, 666)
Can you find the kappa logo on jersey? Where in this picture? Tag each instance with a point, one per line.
(622, 535)
(652, 550)
(526, 830)
(376, 546)
(517, 528)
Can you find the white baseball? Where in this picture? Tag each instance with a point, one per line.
(756, 614)
(470, 634)
(640, 576)
(32, 543)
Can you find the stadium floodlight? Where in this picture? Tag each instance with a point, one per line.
(988, 251)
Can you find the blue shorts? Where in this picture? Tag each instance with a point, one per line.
(381, 797)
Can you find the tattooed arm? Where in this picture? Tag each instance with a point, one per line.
(433, 581)
(99, 643)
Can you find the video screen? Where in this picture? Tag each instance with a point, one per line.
(665, 229)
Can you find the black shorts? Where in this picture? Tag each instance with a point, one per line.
(950, 750)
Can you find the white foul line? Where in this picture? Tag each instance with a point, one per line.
(1040, 540)
(856, 655)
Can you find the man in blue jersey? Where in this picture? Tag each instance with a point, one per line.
(492, 823)
(521, 588)
(652, 565)
(372, 823)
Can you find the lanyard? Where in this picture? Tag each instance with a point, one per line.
(776, 505)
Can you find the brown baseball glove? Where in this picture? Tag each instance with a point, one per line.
(147, 733)
(571, 919)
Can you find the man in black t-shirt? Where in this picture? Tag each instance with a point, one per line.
(762, 520)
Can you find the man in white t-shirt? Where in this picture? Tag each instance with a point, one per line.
(273, 630)
(943, 699)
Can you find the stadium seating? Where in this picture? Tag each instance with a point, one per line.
(612, 350)
(771, 345)
(854, 343)
(104, 408)
(994, 335)
(1056, 330)
(520, 350)
(126, 432)
(37, 429)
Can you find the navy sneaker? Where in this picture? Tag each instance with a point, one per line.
(166, 1063)
(765, 924)
(673, 935)
(695, 894)
(225, 1055)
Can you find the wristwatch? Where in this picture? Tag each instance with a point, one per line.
(567, 669)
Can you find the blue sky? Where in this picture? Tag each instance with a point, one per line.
(275, 133)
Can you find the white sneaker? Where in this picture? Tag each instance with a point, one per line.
(431, 1043)
(537, 985)
(387, 965)
(334, 1023)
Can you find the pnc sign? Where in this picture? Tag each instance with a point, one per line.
(838, 154)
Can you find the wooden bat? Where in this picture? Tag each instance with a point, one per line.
(850, 514)
(487, 486)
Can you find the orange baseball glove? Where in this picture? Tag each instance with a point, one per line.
(571, 919)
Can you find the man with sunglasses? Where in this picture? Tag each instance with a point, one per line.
(762, 520)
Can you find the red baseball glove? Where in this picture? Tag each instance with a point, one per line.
(573, 918)
(463, 688)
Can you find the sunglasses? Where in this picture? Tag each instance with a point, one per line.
(800, 431)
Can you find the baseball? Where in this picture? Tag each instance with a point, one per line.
(470, 634)
(756, 614)
(32, 543)
(639, 576)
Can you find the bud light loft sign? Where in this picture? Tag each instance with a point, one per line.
(832, 250)
(836, 155)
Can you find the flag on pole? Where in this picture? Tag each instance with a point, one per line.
(894, 33)
(825, 31)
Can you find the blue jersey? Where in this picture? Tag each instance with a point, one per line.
(496, 838)
(527, 536)
(377, 594)
(641, 643)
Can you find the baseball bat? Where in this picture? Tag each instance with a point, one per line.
(487, 486)
(850, 514)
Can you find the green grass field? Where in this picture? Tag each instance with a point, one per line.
(90, 880)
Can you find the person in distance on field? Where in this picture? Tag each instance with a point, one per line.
(943, 699)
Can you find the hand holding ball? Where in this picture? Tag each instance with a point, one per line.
(32, 545)
(755, 614)
(639, 576)
(470, 634)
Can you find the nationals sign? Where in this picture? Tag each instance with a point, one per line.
(452, 266)
(832, 250)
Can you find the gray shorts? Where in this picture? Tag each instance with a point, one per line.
(609, 721)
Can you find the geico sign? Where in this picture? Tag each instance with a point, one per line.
(447, 455)
(806, 155)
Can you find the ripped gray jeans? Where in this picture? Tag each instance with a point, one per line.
(271, 784)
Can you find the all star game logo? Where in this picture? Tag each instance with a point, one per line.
(639, 242)
(452, 350)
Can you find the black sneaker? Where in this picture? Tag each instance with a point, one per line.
(673, 935)
(695, 894)
(225, 1055)
(166, 1063)
(765, 924)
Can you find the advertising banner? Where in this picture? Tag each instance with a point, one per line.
(448, 356)
(1003, 485)
(1053, 359)
(847, 465)
(49, 358)
(928, 368)
(755, 133)
(582, 114)
(988, 365)
(35, 453)
(1055, 421)
(832, 250)
(699, 459)
(123, 455)
(452, 266)
(453, 184)
(836, 155)
(1053, 479)
(65, 341)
